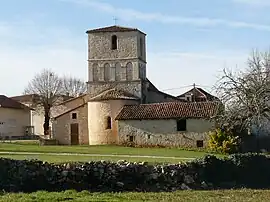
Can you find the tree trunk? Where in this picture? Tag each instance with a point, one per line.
(46, 125)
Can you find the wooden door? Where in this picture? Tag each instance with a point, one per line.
(74, 133)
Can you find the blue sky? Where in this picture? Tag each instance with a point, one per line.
(188, 41)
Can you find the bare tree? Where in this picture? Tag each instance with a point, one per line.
(48, 86)
(74, 86)
(246, 94)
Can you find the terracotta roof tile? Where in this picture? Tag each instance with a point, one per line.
(199, 93)
(26, 98)
(169, 110)
(114, 94)
(114, 29)
(6, 102)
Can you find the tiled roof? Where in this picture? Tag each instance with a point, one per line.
(199, 93)
(6, 102)
(169, 110)
(113, 29)
(26, 98)
(73, 98)
(34, 98)
(114, 94)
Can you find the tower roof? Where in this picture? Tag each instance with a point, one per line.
(113, 28)
(114, 94)
(6, 102)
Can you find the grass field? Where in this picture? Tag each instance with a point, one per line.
(104, 149)
(194, 196)
(167, 154)
(71, 158)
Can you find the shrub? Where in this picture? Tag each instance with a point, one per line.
(222, 141)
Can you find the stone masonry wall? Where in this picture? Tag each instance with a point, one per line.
(120, 68)
(99, 45)
(61, 126)
(133, 87)
(98, 112)
(164, 132)
(117, 70)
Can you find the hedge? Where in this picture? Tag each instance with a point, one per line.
(209, 172)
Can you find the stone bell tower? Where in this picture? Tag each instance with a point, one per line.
(116, 59)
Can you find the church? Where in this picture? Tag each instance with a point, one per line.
(122, 106)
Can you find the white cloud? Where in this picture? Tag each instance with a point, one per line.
(130, 14)
(253, 2)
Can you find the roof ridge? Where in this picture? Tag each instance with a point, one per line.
(180, 101)
(113, 28)
(7, 102)
(113, 93)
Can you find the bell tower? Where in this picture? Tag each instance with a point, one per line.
(116, 58)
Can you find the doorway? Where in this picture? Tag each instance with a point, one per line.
(74, 133)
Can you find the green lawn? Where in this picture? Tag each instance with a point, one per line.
(61, 159)
(106, 149)
(137, 153)
(194, 196)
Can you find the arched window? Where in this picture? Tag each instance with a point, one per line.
(118, 70)
(141, 72)
(107, 72)
(141, 47)
(95, 72)
(112, 72)
(114, 42)
(129, 70)
(108, 122)
(101, 71)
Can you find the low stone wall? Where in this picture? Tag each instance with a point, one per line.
(43, 141)
(237, 171)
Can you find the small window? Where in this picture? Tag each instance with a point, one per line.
(108, 123)
(114, 42)
(74, 115)
(149, 136)
(199, 143)
(141, 47)
(131, 138)
(188, 98)
(181, 125)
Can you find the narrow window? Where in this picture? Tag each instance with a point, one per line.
(114, 42)
(199, 143)
(108, 123)
(141, 47)
(95, 72)
(181, 125)
(129, 71)
(106, 72)
(74, 115)
(149, 136)
(118, 71)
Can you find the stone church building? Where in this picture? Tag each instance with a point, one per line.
(122, 105)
